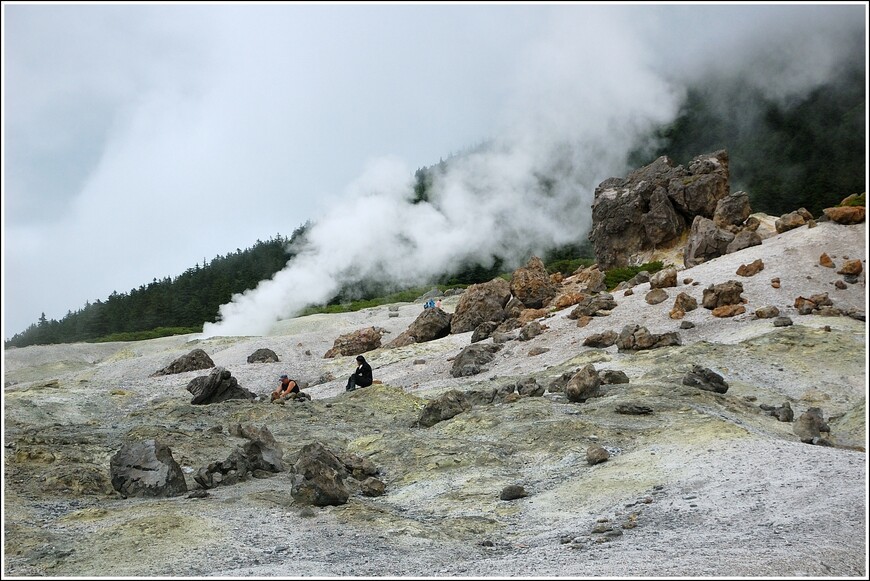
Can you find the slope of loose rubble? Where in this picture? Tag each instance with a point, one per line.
(705, 485)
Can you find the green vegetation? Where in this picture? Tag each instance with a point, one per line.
(855, 200)
(152, 334)
(808, 151)
(614, 276)
(183, 303)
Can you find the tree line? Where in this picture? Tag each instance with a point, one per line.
(176, 305)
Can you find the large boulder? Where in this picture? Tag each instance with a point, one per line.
(146, 469)
(217, 386)
(472, 359)
(193, 361)
(444, 407)
(532, 285)
(357, 342)
(480, 303)
(429, 325)
(706, 241)
(263, 356)
(319, 477)
(651, 207)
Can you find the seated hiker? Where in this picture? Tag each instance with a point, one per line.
(362, 377)
(286, 387)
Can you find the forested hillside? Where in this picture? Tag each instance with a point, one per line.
(808, 153)
(167, 306)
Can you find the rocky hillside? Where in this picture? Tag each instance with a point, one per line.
(642, 432)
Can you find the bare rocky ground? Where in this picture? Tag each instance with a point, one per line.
(708, 485)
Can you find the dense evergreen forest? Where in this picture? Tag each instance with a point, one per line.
(810, 152)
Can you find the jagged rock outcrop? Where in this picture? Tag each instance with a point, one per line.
(532, 285)
(217, 386)
(652, 205)
(146, 469)
(193, 361)
(481, 303)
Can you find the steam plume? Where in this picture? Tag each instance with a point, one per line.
(583, 98)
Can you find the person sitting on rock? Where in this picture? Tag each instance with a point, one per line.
(286, 387)
(362, 377)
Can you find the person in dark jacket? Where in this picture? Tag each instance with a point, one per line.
(362, 377)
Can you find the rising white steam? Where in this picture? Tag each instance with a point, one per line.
(569, 126)
(582, 97)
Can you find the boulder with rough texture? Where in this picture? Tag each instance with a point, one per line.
(480, 303)
(444, 407)
(706, 241)
(357, 342)
(263, 356)
(652, 205)
(193, 361)
(472, 359)
(705, 379)
(217, 386)
(319, 477)
(146, 469)
(429, 325)
(531, 284)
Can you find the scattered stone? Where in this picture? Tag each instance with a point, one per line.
(633, 409)
(601, 340)
(656, 296)
(751, 269)
(810, 425)
(728, 311)
(612, 377)
(774, 282)
(687, 325)
(851, 268)
(512, 492)
(706, 379)
(193, 361)
(596, 454)
(263, 356)
(845, 214)
(583, 385)
(782, 322)
(826, 261)
(768, 312)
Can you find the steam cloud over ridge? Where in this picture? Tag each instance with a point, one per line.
(583, 98)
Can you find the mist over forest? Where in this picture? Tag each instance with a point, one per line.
(788, 149)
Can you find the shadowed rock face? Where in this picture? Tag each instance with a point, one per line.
(652, 206)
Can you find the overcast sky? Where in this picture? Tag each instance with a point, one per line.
(139, 140)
